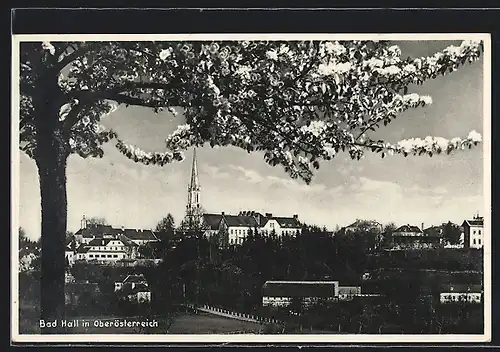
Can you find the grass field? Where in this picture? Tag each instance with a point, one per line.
(210, 324)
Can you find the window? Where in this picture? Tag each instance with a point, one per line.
(479, 231)
(109, 255)
(115, 255)
(474, 232)
(474, 241)
(271, 224)
(478, 241)
(91, 255)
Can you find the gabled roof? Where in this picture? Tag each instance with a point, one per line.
(212, 220)
(240, 221)
(99, 242)
(287, 222)
(96, 231)
(364, 223)
(144, 235)
(475, 222)
(408, 228)
(300, 289)
(127, 289)
(134, 278)
(434, 231)
(126, 241)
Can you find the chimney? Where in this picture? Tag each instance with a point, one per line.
(83, 224)
(269, 215)
(422, 226)
(296, 216)
(222, 213)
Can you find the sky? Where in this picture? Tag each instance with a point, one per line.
(414, 190)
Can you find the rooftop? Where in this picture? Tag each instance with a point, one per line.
(299, 289)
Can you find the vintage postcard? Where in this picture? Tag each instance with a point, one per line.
(308, 188)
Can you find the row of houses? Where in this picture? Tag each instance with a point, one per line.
(407, 235)
(237, 227)
(105, 243)
(283, 293)
(131, 287)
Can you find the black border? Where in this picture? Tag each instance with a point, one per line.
(291, 20)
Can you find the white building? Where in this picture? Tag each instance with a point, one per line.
(134, 288)
(474, 232)
(106, 250)
(281, 293)
(281, 226)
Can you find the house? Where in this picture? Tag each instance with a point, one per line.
(212, 223)
(134, 288)
(347, 293)
(238, 227)
(139, 237)
(107, 250)
(89, 232)
(281, 226)
(363, 226)
(407, 236)
(70, 251)
(81, 293)
(474, 232)
(132, 279)
(455, 293)
(281, 293)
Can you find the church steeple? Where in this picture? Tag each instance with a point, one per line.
(193, 205)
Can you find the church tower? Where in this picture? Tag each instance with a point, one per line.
(193, 207)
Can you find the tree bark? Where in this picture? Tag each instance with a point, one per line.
(51, 160)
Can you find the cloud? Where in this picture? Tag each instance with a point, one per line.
(250, 175)
(246, 175)
(366, 184)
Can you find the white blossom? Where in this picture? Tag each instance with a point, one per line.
(335, 48)
(172, 111)
(373, 63)
(165, 54)
(272, 55)
(316, 127)
(48, 46)
(333, 67)
(394, 50)
(426, 99)
(453, 50)
(474, 136)
(409, 68)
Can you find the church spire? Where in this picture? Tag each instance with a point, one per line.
(193, 207)
(194, 173)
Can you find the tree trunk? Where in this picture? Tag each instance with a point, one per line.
(51, 159)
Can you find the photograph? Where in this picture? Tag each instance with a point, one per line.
(270, 188)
